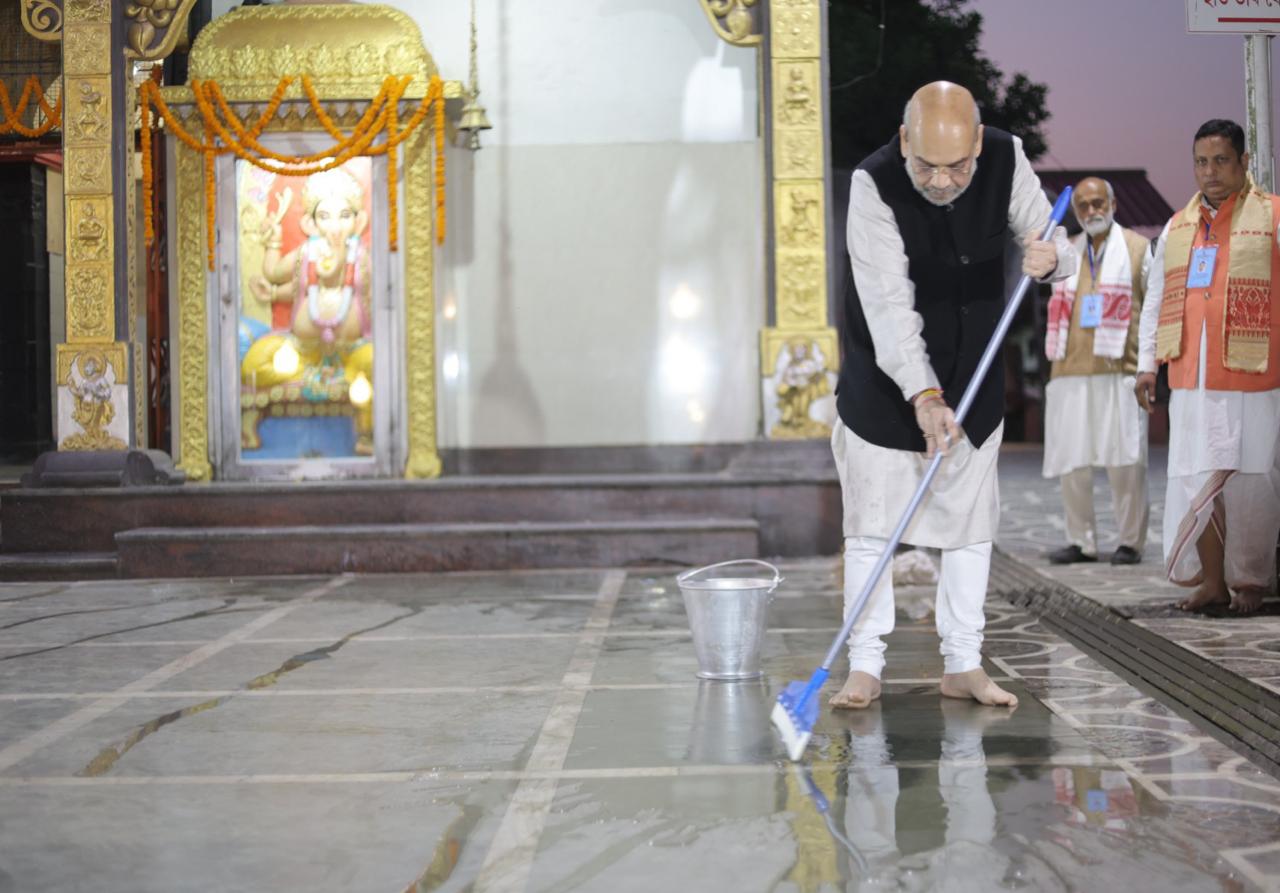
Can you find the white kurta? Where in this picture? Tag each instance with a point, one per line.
(877, 483)
(1092, 421)
(1216, 431)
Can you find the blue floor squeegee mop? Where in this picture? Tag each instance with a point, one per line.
(797, 707)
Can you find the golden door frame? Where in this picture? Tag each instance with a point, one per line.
(347, 50)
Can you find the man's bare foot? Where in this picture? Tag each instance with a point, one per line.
(1247, 601)
(960, 716)
(1205, 596)
(976, 684)
(859, 690)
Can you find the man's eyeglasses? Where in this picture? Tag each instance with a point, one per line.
(929, 171)
(1086, 205)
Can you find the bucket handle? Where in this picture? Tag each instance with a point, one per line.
(777, 577)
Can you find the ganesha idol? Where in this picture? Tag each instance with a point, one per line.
(318, 361)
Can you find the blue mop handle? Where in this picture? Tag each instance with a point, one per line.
(966, 401)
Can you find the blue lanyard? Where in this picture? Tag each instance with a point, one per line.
(1093, 276)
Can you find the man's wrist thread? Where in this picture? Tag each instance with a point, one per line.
(926, 395)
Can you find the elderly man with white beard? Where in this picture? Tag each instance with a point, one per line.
(1092, 340)
(930, 215)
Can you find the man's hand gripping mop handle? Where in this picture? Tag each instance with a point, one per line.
(820, 675)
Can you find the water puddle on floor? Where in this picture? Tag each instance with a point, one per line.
(917, 793)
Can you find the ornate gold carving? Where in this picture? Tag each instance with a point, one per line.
(88, 103)
(810, 359)
(42, 19)
(796, 92)
(800, 236)
(90, 309)
(191, 359)
(799, 155)
(800, 290)
(88, 170)
(91, 380)
(734, 21)
(89, 10)
(113, 352)
(796, 30)
(84, 49)
(799, 215)
(420, 311)
(156, 27)
(90, 230)
(346, 48)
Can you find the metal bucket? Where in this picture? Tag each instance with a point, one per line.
(728, 616)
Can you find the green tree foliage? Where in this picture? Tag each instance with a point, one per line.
(924, 40)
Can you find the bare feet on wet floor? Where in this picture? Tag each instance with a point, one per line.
(1205, 596)
(971, 716)
(859, 690)
(1246, 601)
(976, 684)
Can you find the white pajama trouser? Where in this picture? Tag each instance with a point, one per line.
(962, 590)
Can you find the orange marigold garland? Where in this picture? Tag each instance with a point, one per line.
(381, 118)
(13, 114)
(393, 192)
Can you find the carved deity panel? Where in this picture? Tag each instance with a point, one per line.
(89, 304)
(797, 94)
(799, 214)
(88, 109)
(91, 240)
(89, 171)
(799, 383)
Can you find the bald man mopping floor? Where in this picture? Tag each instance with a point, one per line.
(929, 217)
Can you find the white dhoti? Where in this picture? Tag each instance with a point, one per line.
(1093, 421)
(1224, 469)
(959, 515)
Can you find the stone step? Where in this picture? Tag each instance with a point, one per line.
(404, 548)
(57, 566)
(798, 510)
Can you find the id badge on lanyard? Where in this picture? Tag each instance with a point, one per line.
(1091, 304)
(1200, 273)
(1091, 311)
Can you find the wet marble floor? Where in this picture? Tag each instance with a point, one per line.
(545, 732)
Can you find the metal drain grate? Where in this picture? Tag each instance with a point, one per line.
(1236, 711)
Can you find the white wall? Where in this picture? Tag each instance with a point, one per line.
(603, 280)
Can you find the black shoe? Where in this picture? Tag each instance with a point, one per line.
(1070, 555)
(1125, 555)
